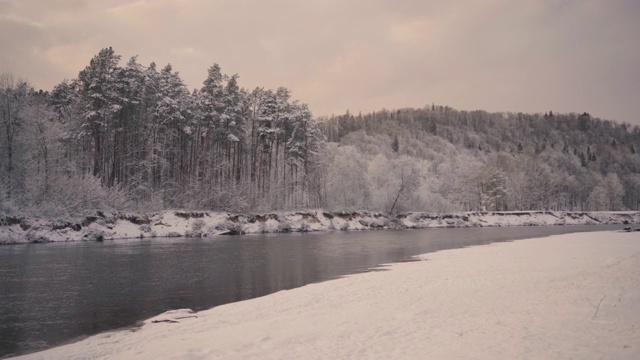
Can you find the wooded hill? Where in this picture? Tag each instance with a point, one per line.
(133, 137)
(451, 160)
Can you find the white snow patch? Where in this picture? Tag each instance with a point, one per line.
(179, 223)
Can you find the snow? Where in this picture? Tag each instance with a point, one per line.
(173, 223)
(567, 296)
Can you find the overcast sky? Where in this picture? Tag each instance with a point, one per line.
(498, 55)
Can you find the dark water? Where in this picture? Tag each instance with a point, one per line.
(59, 292)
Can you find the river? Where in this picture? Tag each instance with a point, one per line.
(55, 293)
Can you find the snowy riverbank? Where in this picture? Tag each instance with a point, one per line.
(567, 296)
(101, 226)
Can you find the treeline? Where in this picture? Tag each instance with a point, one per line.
(134, 136)
(440, 159)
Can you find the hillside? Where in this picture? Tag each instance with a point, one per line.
(450, 160)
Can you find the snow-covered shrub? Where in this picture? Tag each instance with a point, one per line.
(233, 227)
(304, 226)
(373, 221)
(196, 229)
(75, 193)
(285, 226)
(331, 225)
(268, 224)
(36, 237)
(94, 235)
(339, 224)
(198, 225)
(7, 236)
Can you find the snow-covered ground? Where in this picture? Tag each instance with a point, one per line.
(177, 223)
(569, 296)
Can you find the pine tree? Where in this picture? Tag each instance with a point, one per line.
(63, 99)
(584, 122)
(395, 145)
(99, 96)
(495, 191)
(583, 159)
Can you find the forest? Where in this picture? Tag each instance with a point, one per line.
(133, 137)
(446, 160)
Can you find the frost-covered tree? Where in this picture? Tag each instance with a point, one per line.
(395, 183)
(100, 102)
(346, 185)
(136, 131)
(540, 173)
(136, 135)
(43, 150)
(495, 191)
(13, 100)
(613, 191)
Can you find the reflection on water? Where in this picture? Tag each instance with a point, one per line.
(55, 293)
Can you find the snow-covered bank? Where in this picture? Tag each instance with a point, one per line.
(101, 226)
(567, 296)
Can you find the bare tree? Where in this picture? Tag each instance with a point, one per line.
(13, 98)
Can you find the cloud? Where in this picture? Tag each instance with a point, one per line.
(531, 56)
(183, 51)
(20, 20)
(58, 57)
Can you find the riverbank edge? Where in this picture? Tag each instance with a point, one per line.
(101, 226)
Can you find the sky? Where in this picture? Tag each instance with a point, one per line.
(356, 55)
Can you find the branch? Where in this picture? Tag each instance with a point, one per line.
(597, 307)
(399, 191)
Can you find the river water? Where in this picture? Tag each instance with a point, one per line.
(56, 293)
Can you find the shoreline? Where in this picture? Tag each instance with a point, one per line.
(503, 300)
(179, 223)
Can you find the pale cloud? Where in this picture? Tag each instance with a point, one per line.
(20, 20)
(361, 55)
(58, 57)
(183, 51)
(413, 31)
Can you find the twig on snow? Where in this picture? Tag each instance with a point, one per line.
(597, 307)
(497, 318)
